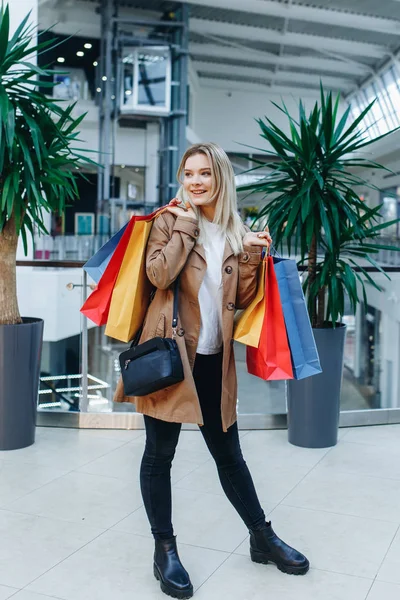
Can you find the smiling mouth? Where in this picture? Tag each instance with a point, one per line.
(199, 192)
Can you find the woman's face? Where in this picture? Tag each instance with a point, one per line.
(198, 180)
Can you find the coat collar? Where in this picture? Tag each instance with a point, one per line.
(199, 248)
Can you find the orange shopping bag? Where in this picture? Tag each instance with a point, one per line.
(97, 305)
(131, 293)
(272, 359)
(249, 324)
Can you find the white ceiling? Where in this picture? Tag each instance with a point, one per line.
(284, 44)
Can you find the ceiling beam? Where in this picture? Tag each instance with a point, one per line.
(261, 88)
(259, 57)
(247, 32)
(335, 83)
(307, 13)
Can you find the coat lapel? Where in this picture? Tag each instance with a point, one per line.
(200, 251)
(227, 252)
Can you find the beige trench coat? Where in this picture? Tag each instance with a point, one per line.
(172, 250)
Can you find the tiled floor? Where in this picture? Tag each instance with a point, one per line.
(72, 525)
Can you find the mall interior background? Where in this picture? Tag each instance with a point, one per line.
(220, 73)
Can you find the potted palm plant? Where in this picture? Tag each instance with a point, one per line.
(314, 211)
(37, 176)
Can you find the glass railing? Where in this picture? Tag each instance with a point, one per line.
(80, 366)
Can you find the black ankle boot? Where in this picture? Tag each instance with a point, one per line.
(265, 547)
(169, 571)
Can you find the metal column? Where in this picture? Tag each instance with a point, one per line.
(107, 100)
(173, 128)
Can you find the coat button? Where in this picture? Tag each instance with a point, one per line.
(245, 257)
(181, 332)
(228, 270)
(232, 341)
(230, 306)
(196, 232)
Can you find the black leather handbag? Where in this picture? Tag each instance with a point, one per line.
(153, 365)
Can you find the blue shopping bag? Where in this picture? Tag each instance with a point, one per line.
(305, 359)
(96, 265)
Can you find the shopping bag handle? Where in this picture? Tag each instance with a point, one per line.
(267, 252)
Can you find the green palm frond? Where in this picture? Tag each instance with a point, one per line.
(311, 201)
(38, 164)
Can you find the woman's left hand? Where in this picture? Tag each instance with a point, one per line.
(258, 238)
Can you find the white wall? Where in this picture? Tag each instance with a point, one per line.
(227, 116)
(388, 302)
(43, 293)
(19, 9)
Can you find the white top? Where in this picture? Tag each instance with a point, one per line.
(210, 294)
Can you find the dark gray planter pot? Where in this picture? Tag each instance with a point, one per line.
(20, 354)
(314, 403)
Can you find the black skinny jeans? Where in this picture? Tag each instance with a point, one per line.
(161, 441)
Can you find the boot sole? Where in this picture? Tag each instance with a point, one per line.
(170, 591)
(264, 559)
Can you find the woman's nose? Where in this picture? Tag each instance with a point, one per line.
(196, 179)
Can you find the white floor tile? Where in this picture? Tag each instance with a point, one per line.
(119, 435)
(30, 545)
(200, 519)
(24, 595)
(377, 435)
(119, 566)
(364, 459)
(348, 493)
(240, 579)
(98, 501)
(390, 569)
(333, 542)
(6, 592)
(65, 449)
(273, 480)
(384, 591)
(273, 447)
(124, 463)
(19, 479)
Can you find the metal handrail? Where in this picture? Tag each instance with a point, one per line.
(77, 264)
(59, 264)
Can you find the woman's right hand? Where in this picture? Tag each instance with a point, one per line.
(180, 210)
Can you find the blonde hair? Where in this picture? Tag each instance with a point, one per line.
(223, 189)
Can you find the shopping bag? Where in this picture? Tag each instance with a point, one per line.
(96, 265)
(249, 324)
(271, 360)
(305, 359)
(97, 305)
(131, 293)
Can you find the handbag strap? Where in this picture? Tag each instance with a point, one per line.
(175, 309)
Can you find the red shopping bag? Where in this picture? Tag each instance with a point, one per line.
(97, 306)
(271, 360)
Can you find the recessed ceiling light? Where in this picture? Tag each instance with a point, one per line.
(88, 46)
(80, 53)
(60, 59)
(122, 166)
(98, 89)
(104, 78)
(95, 63)
(128, 92)
(112, 97)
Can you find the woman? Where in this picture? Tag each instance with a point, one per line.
(202, 240)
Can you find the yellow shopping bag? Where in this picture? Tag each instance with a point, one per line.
(249, 324)
(131, 293)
